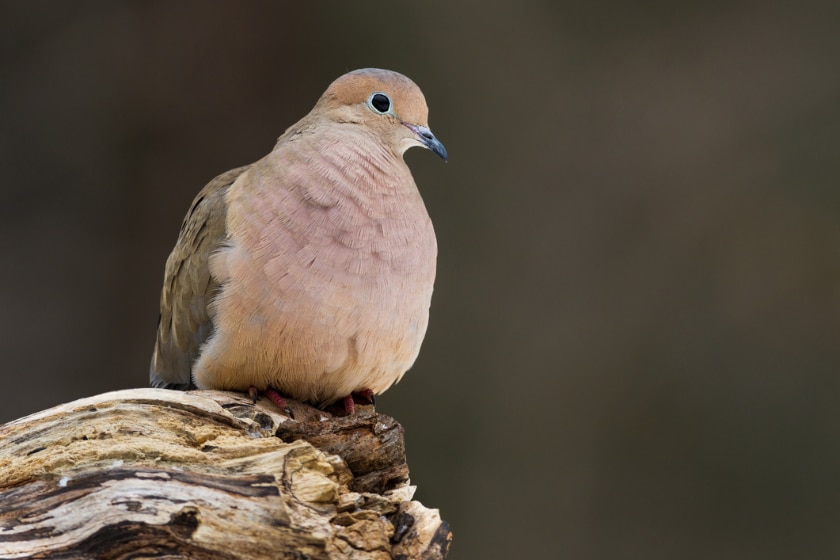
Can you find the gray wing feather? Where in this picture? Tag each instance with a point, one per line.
(188, 288)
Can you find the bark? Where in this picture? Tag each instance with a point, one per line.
(207, 474)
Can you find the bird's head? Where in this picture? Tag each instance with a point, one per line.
(387, 103)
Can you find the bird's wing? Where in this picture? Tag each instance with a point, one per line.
(188, 288)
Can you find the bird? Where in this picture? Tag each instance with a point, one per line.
(309, 273)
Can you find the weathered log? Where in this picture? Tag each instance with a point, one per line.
(207, 474)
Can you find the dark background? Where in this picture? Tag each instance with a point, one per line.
(635, 335)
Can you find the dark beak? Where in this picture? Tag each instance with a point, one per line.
(428, 139)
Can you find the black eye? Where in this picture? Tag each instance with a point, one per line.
(380, 102)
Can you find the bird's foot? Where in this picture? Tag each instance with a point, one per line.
(274, 396)
(253, 394)
(365, 396)
(349, 405)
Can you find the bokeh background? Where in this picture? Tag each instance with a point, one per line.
(635, 335)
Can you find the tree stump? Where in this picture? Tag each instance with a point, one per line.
(207, 474)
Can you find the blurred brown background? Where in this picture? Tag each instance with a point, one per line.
(635, 335)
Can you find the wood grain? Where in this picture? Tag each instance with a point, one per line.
(154, 473)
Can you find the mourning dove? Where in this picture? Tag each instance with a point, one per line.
(309, 272)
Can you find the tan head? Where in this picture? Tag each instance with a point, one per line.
(388, 103)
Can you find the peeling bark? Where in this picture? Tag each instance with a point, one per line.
(208, 475)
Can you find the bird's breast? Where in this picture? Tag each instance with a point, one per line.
(317, 237)
(326, 277)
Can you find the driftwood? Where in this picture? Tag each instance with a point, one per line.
(164, 474)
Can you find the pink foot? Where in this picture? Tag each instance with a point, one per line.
(349, 405)
(274, 397)
(365, 396)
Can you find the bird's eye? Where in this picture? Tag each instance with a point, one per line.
(380, 103)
